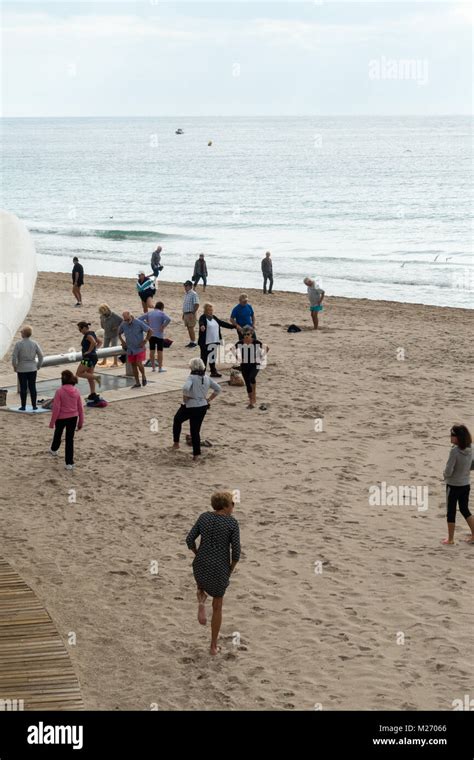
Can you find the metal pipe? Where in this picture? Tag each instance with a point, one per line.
(76, 356)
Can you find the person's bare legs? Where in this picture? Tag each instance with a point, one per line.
(88, 373)
(192, 334)
(160, 359)
(201, 596)
(314, 315)
(470, 522)
(152, 359)
(135, 372)
(252, 396)
(76, 291)
(216, 622)
(450, 538)
(142, 372)
(103, 363)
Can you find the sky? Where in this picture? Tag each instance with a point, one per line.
(152, 58)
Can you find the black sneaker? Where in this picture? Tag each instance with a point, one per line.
(191, 345)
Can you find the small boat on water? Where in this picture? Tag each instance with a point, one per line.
(179, 132)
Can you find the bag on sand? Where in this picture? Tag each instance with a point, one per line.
(99, 403)
(167, 342)
(294, 329)
(236, 378)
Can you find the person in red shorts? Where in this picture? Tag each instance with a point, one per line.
(133, 336)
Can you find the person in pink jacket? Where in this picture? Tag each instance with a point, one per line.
(67, 414)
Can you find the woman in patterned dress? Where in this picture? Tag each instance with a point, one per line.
(213, 563)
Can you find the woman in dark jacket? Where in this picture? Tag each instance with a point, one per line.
(210, 337)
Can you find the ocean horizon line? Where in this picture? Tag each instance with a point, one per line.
(255, 116)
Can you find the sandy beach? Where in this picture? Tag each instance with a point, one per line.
(337, 603)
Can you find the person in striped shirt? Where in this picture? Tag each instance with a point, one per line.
(146, 290)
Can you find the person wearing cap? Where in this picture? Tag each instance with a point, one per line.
(89, 345)
(190, 309)
(136, 334)
(156, 261)
(146, 290)
(200, 270)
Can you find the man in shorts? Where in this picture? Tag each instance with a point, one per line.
(136, 334)
(157, 320)
(77, 280)
(146, 290)
(190, 309)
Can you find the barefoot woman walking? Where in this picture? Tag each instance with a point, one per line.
(216, 558)
(457, 478)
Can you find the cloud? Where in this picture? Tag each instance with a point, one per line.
(90, 27)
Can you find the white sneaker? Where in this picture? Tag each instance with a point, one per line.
(69, 466)
(53, 453)
(162, 369)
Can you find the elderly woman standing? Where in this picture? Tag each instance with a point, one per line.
(110, 323)
(315, 297)
(24, 357)
(214, 563)
(210, 337)
(195, 404)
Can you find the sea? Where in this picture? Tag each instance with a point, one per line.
(371, 207)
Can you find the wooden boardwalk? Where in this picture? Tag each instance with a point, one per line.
(34, 663)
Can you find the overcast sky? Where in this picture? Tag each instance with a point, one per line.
(151, 58)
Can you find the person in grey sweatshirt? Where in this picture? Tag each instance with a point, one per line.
(156, 261)
(24, 363)
(457, 477)
(110, 323)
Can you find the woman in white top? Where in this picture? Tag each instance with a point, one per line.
(24, 356)
(195, 404)
(210, 337)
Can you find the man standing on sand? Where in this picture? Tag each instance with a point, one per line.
(156, 261)
(315, 296)
(157, 320)
(200, 270)
(190, 309)
(136, 335)
(243, 315)
(267, 271)
(77, 280)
